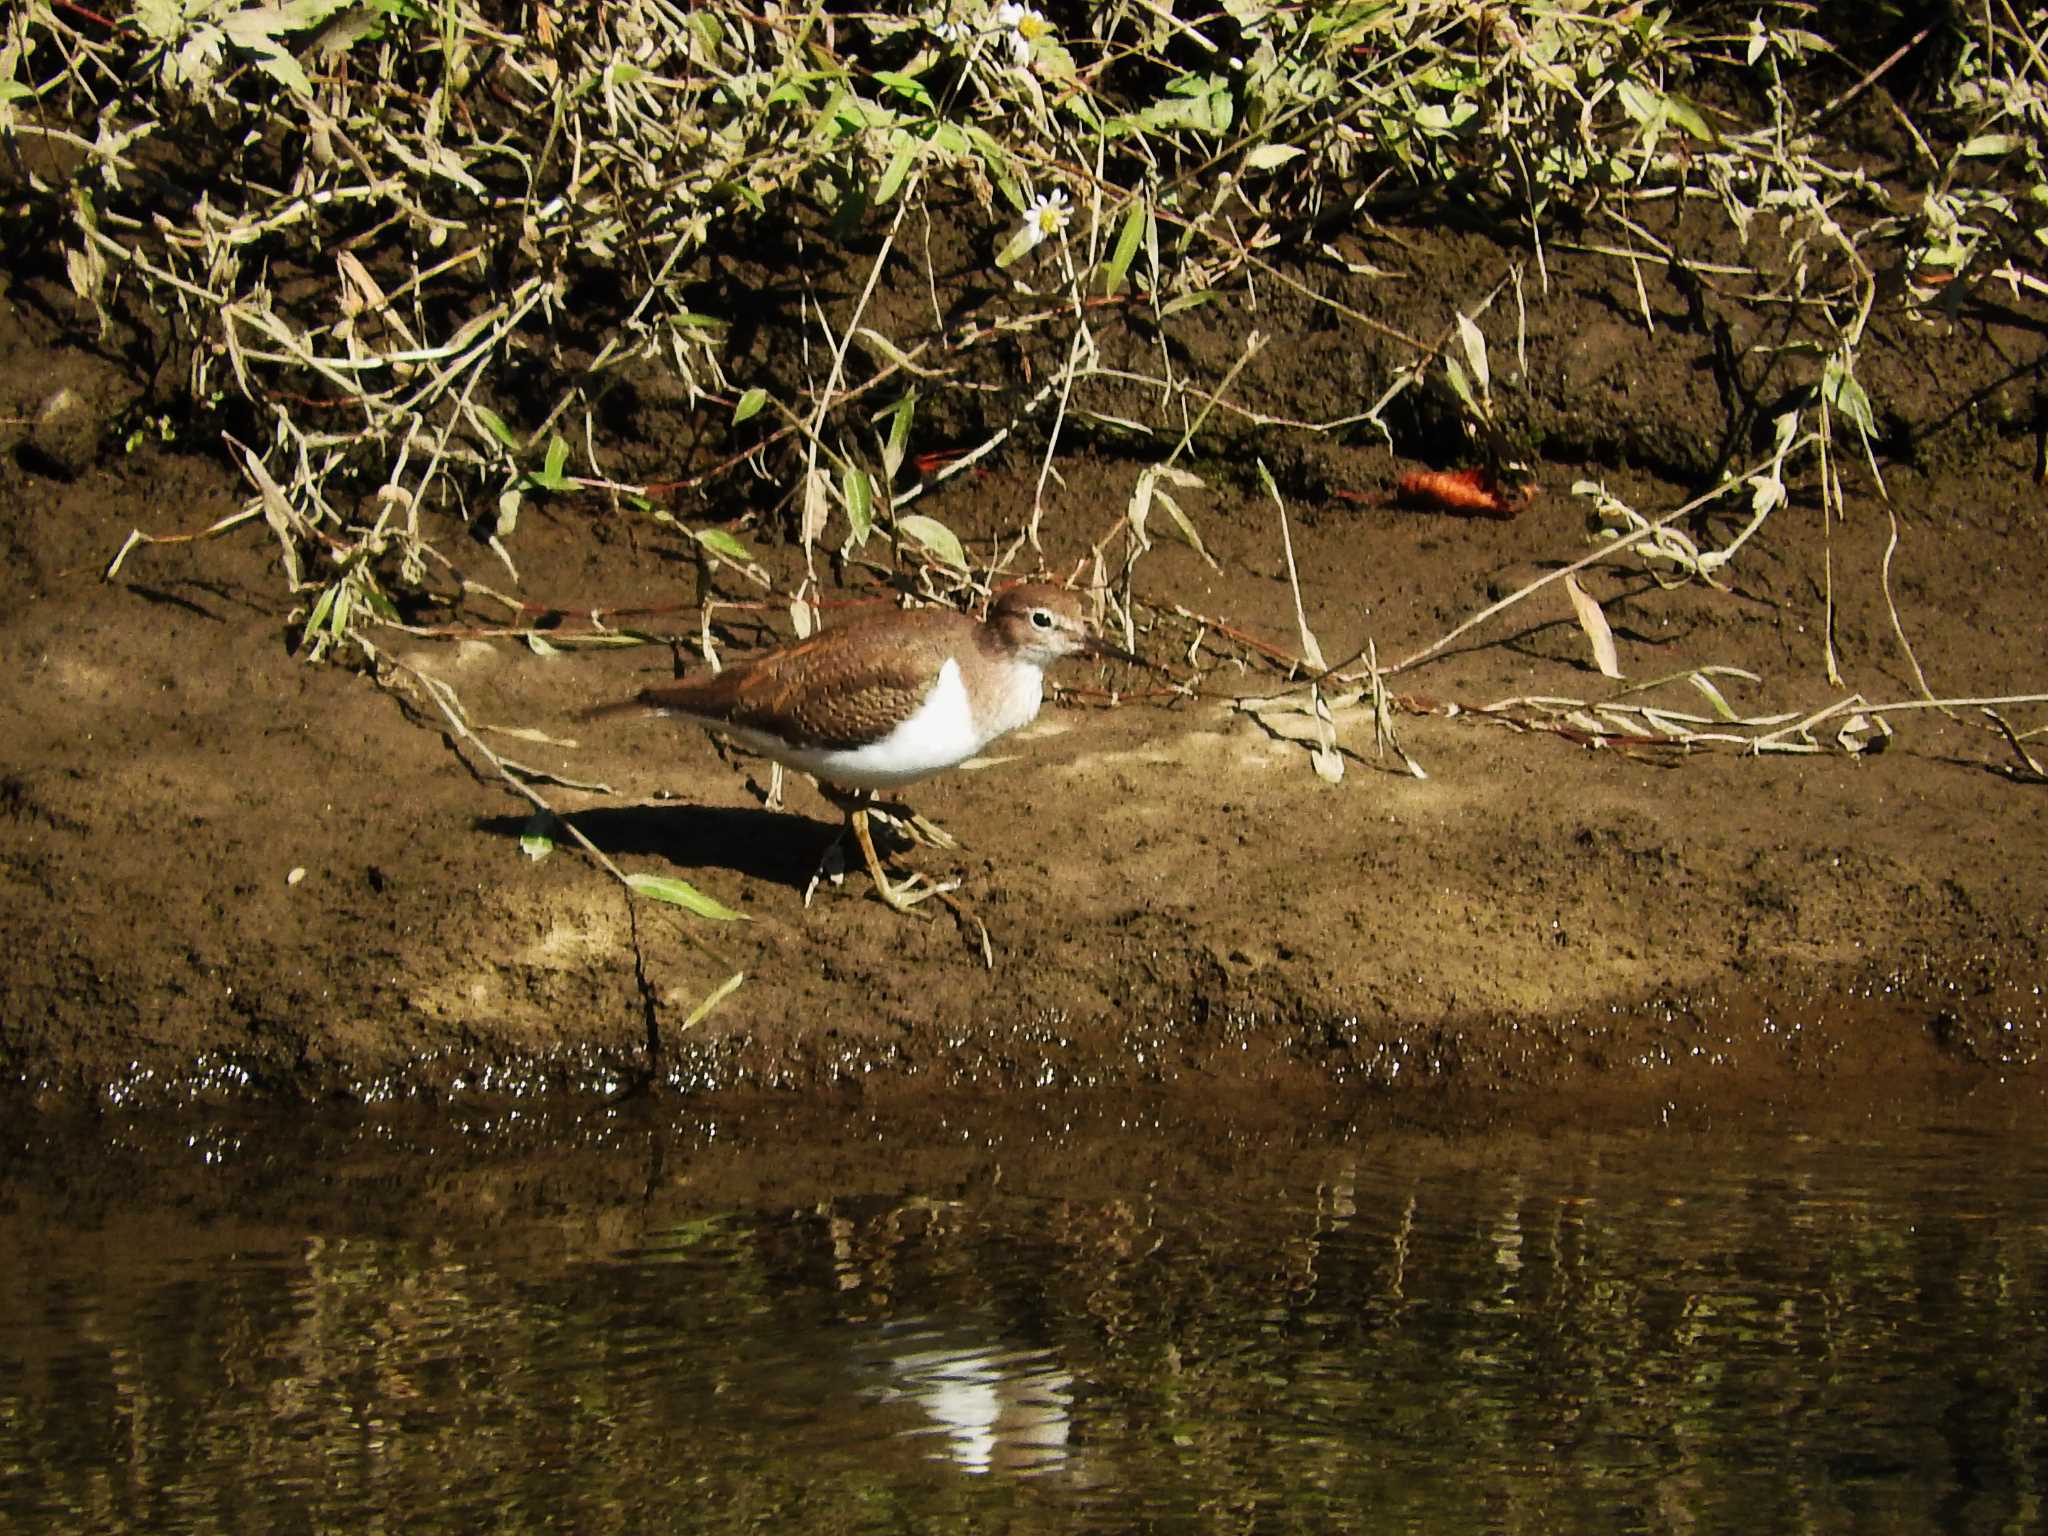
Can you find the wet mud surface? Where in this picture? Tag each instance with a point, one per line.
(228, 875)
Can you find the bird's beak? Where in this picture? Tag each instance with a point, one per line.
(1097, 646)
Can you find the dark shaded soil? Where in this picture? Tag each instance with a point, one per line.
(224, 873)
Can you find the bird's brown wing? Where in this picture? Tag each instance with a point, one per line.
(838, 689)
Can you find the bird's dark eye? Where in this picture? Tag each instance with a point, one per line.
(1041, 618)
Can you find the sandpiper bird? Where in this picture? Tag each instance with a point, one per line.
(888, 700)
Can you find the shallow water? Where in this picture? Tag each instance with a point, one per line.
(1820, 1319)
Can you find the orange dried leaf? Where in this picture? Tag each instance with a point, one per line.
(1467, 492)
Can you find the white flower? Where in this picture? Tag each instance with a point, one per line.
(954, 34)
(1047, 216)
(1021, 25)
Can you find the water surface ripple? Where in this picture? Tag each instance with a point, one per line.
(1813, 1323)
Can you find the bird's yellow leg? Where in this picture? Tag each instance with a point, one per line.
(903, 897)
(919, 829)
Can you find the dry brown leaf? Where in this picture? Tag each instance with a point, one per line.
(1594, 623)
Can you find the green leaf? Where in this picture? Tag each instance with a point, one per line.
(1842, 391)
(738, 192)
(1462, 386)
(1268, 157)
(909, 87)
(850, 115)
(859, 492)
(1222, 111)
(720, 542)
(253, 31)
(750, 404)
(1127, 238)
(713, 998)
(550, 477)
(319, 616)
(1075, 102)
(1343, 25)
(899, 168)
(1433, 118)
(536, 838)
(1024, 241)
(899, 435)
(1199, 104)
(682, 894)
(1691, 119)
(1639, 101)
(495, 424)
(162, 20)
(937, 539)
(793, 92)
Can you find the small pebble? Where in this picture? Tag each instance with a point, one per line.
(66, 433)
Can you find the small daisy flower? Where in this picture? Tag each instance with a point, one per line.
(1021, 26)
(1048, 215)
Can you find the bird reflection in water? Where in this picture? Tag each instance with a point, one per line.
(995, 1408)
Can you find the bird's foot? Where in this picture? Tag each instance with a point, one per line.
(905, 895)
(914, 888)
(902, 895)
(921, 830)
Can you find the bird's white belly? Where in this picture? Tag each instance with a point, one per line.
(942, 732)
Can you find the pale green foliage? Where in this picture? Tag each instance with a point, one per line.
(1999, 91)
(197, 38)
(395, 208)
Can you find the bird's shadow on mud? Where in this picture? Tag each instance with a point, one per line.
(780, 846)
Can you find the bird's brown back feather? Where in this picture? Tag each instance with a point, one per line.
(837, 689)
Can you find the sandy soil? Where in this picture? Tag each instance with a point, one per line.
(227, 874)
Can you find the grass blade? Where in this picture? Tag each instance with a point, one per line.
(682, 894)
